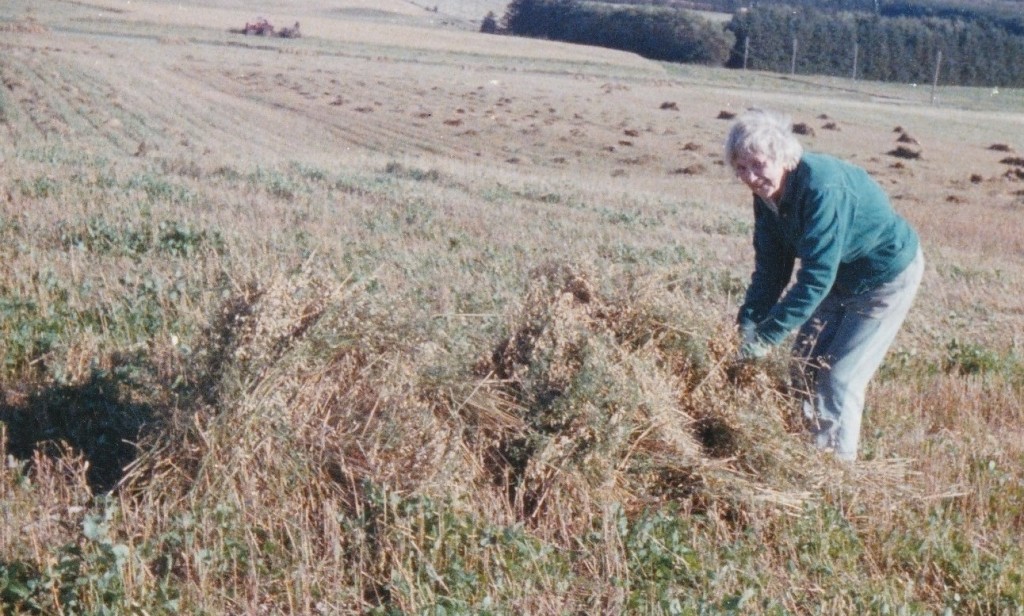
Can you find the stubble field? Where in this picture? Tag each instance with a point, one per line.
(401, 318)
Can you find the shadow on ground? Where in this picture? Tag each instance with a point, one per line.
(97, 419)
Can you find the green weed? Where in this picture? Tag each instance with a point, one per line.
(730, 226)
(39, 188)
(99, 236)
(183, 240)
(411, 173)
(84, 577)
(276, 183)
(31, 328)
(176, 239)
(158, 188)
(443, 561)
(969, 358)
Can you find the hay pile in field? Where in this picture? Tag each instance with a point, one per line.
(323, 429)
(587, 401)
(604, 422)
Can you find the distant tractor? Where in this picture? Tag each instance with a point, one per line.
(262, 27)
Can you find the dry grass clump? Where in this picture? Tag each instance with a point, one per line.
(51, 510)
(309, 360)
(596, 410)
(310, 406)
(325, 432)
(623, 405)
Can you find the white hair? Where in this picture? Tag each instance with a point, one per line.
(767, 133)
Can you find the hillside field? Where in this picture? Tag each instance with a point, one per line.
(401, 318)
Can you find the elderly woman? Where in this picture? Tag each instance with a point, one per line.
(859, 267)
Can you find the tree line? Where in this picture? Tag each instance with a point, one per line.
(1007, 13)
(869, 46)
(979, 43)
(658, 33)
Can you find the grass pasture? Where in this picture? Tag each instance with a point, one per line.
(399, 318)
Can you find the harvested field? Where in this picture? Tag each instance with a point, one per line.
(397, 317)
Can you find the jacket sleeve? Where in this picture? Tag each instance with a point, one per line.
(773, 267)
(823, 228)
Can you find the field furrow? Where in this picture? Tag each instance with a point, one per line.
(380, 117)
(32, 116)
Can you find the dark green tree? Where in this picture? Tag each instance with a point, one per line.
(489, 24)
(538, 18)
(659, 33)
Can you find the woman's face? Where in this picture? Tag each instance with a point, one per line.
(763, 175)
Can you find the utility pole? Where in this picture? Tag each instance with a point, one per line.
(935, 81)
(746, 51)
(855, 50)
(792, 63)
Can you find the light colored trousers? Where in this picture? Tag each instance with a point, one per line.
(839, 349)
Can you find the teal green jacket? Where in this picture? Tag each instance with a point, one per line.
(840, 225)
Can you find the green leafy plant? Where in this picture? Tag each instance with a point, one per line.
(969, 358)
(39, 188)
(83, 577)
